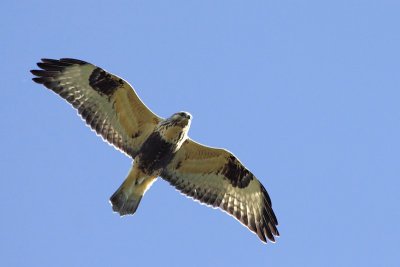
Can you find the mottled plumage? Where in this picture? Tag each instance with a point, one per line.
(159, 147)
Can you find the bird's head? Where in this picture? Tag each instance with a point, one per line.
(175, 128)
(181, 119)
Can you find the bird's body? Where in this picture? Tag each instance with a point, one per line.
(159, 147)
(154, 155)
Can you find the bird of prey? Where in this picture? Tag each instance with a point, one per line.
(159, 147)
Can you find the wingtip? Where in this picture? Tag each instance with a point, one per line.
(262, 238)
(38, 80)
(46, 63)
(37, 72)
(73, 61)
(49, 60)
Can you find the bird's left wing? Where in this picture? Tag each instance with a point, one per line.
(217, 178)
(107, 103)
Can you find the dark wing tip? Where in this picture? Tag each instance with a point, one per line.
(44, 73)
(35, 72)
(45, 77)
(263, 222)
(269, 221)
(270, 232)
(266, 230)
(49, 60)
(277, 233)
(268, 205)
(38, 80)
(50, 68)
(73, 61)
(59, 64)
(262, 237)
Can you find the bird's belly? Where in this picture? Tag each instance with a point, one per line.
(155, 154)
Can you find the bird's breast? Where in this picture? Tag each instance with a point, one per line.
(155, 153)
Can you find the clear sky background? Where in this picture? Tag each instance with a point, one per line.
(305, 93)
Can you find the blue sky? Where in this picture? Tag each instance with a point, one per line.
(305, 93)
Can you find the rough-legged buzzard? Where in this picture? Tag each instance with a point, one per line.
(159, 147)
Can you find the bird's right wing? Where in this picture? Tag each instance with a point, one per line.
(107, 103)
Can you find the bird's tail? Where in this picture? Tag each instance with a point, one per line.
(127, 198)
(123, 203)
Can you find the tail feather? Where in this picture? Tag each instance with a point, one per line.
(124, 203)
